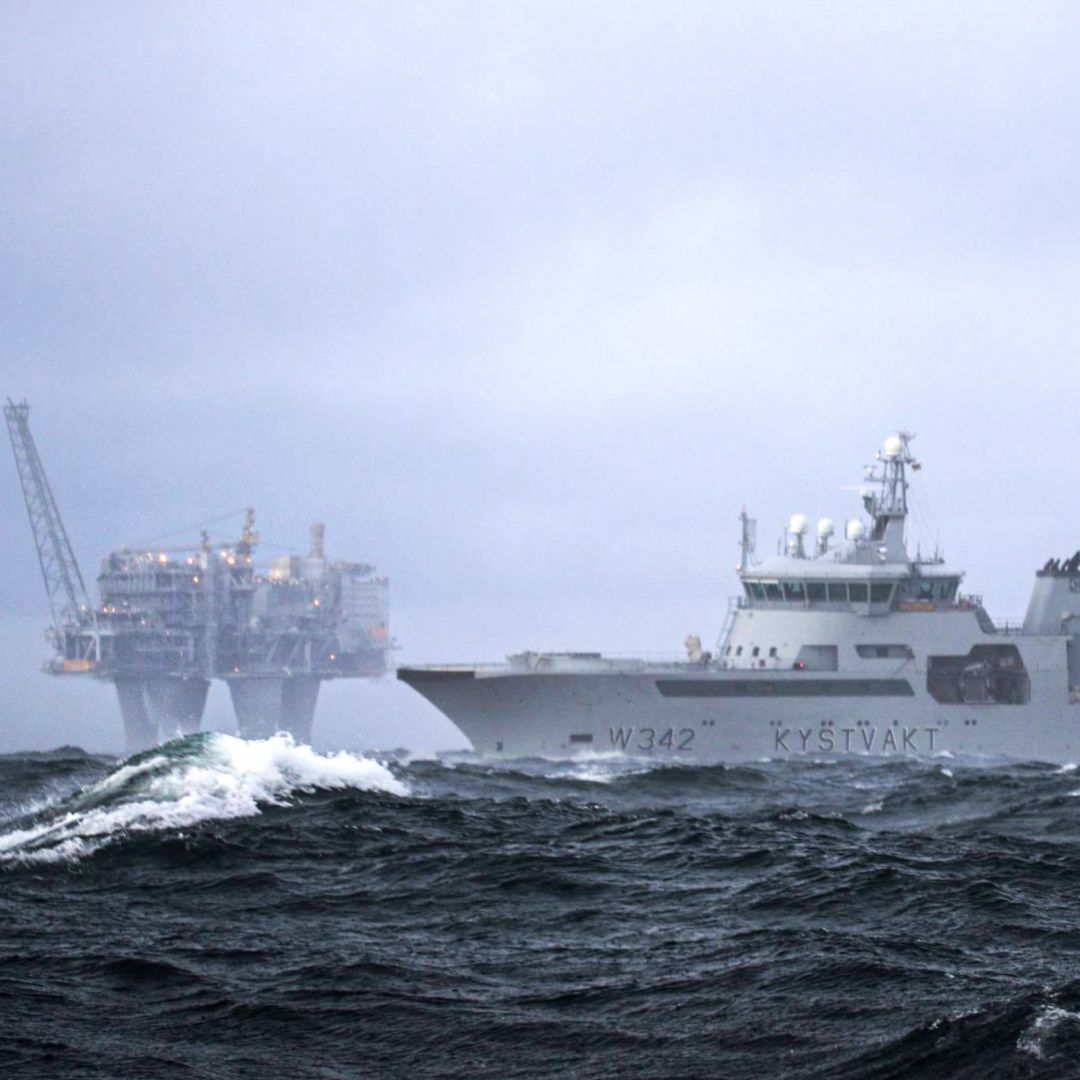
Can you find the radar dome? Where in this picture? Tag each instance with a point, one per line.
(798, 524)
(825, 527)
(893, 448)
(856, 530)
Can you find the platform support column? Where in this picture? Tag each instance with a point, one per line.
(139, 732)
(176, 705)
(265, 706)
(160, 709)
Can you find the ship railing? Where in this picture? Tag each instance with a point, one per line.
(644, 657)
(649, 657)
(743, 604)
(1011, 626)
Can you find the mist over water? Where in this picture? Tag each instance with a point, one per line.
(223, 908)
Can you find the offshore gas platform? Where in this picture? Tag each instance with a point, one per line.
(167, 621)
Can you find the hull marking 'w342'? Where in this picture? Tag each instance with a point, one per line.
(647, 738)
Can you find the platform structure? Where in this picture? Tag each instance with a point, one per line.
(168, 621)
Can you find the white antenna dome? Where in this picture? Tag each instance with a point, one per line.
(825, 527)
(893, 447)
(798, 524)
(856, 530)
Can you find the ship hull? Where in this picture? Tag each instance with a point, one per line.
(684, 714)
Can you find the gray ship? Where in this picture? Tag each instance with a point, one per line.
(853, 647)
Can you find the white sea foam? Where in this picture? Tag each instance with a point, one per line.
(1068, 767)
(211, 777)
(1047, 1021)
(873, 808)
(598, 774)
(604, 766)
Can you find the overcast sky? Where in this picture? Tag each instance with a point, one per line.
(525, 301)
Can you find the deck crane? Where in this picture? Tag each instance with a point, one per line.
(73, 628)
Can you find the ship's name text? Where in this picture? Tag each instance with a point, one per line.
(865, 739)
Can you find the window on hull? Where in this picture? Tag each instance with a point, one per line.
(795, 687)
(988, 675)
(817, 658)
(885, 652)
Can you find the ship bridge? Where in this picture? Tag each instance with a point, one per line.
(825, 584)
(862, 598)
(869, 571)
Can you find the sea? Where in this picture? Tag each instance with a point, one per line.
(220, 908)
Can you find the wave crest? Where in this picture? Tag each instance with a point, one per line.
(204, 777)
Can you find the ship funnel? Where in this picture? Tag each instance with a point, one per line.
(318, 532)
(1055, 609)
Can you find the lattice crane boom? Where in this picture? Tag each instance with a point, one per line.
(63, 581)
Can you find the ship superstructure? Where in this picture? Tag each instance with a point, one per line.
(853, 646)
(167, 621)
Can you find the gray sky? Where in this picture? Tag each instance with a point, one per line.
(526, 300)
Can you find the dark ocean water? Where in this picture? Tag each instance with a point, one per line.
(227, 909)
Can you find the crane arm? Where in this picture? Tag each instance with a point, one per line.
(63, 581)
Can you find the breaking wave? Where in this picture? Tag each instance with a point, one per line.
(204, 777)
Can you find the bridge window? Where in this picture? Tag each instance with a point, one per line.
(757, 649)
(815, 592)
(837, 592)
(772, 591)
(926, 590)
(793, 590)
(857, 592)
(880, 593)
(757, 590)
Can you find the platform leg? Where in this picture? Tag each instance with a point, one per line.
(140, 732)
(265, 706)
(176, 705)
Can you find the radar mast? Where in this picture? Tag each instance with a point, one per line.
(888, 506)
